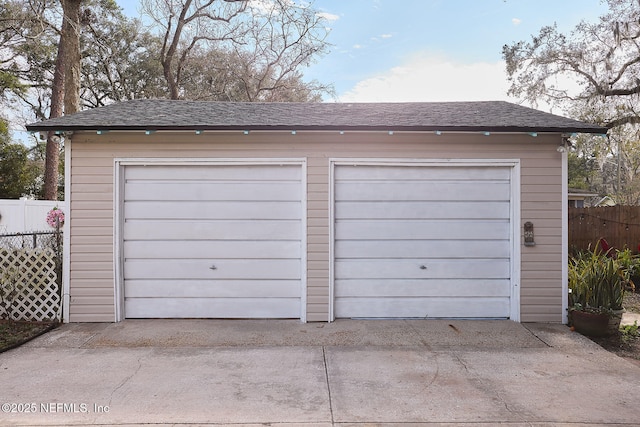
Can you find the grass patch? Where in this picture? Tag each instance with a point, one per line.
(13, 334)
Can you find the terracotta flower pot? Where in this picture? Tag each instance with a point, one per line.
(590, 324)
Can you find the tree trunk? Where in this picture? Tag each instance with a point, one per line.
(53, 141)
(65, 89)
(70, 39)
(169, 49)
(171, 81)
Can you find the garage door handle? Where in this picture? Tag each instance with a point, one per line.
(423, 267)
(213, 267)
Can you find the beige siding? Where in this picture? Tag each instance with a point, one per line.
(92, 271)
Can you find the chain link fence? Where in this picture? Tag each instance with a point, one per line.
(31, 276)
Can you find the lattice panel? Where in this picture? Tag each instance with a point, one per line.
(29, 285)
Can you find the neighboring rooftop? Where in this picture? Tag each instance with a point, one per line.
(156, 114)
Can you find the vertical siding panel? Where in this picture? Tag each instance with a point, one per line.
(91, 251)
(317, 241)
(541, 203)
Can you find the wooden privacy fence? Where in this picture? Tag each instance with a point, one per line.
(618, 225)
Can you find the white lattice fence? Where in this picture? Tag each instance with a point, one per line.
(28, 287)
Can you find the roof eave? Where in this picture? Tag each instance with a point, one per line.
(36, 127)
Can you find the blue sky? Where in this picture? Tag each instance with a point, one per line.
(429, 50)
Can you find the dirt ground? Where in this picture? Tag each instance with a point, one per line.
(13, 334)
(625, 344)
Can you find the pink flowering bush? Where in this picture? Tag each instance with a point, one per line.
(55, 217)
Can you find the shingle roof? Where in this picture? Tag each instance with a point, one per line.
(492, 116)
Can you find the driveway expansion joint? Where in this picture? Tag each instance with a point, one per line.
(326, 376)
(536, 335)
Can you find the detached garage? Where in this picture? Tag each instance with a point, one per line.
(185, 209)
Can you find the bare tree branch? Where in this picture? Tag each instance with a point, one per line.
(272, 40)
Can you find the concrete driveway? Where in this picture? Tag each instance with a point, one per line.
(348, 373)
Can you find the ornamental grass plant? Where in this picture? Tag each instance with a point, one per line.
(598, 281)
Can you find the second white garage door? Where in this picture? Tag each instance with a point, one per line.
(214, 241)
(422, 241)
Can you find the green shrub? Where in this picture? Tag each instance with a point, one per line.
(597, 281)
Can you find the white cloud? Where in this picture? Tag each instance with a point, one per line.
(516, 21)
(328, 16)
(381, 37)
(433, 78)
(357, 46)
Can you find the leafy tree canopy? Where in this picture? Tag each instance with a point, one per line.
(594, 70)
(591, 74)
(219, 50)
(18, 171)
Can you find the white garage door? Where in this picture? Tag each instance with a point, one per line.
(212, 241)
(422, 241)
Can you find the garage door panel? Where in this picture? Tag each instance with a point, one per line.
(422, 241)
(428, 249)
(212, 230)
(422, 287)
(222, 173)
(411, 269)
(213, 288)
(259, 191)
(220, 308)
(433, 172)
(206, 249)
(422, 210)
(420, 191)
(201, 269)
(420, 229)
(163, 210)
(444, 307)
(213, 240)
